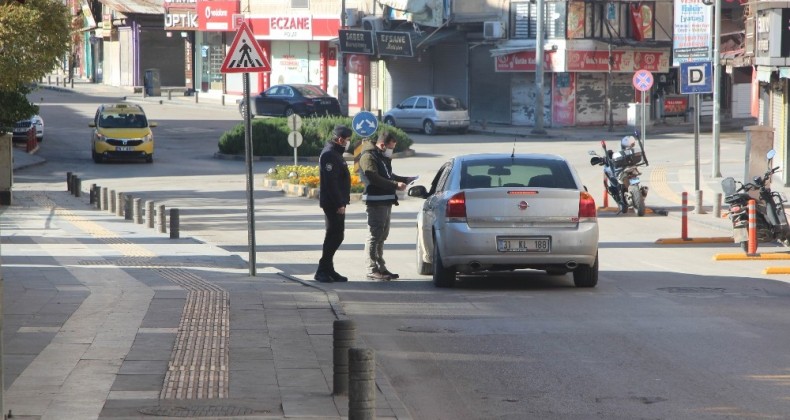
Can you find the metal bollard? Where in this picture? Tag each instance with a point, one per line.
(57, 80)
(362, 385)
(717, 206)
(49, 79)
(127, 207)
(223, 100)
(77, 188)
(119, 204)
(104, 192)
(162, 219)
(72, 83)
(68, 181)
(113, 202)
(684, 219)
(92, 194)
(169, 94)
(137, 211)
(175, 219)
(698, 205)
(196, 96)
(343, 338)
(65, 81)
(149, 213)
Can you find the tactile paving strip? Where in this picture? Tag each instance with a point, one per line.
(198, 364)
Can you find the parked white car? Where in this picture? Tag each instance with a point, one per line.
(498, 212)
(21, 128)
(429, 113)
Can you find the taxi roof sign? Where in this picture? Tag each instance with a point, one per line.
(245, 55)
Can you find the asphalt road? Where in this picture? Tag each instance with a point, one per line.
(668, 332)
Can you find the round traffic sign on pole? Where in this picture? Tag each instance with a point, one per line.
(295, 138)
(643, 80)
(294, 122)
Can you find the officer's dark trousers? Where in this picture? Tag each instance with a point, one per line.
(335, 229)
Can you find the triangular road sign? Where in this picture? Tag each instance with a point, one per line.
(245, 55)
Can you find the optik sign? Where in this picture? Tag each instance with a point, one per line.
(291, 27)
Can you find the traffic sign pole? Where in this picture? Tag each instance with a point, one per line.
(250, 183)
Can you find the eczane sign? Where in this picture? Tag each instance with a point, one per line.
(291, 27)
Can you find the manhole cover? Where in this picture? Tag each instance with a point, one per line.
(694, 290)
(202, 411)
(427, 330)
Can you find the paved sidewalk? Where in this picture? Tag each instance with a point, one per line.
(105, 318)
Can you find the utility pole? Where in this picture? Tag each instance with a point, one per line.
(538, 129)
(716, 88)
(342, 77)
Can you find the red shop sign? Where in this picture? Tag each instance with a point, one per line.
(216, 15)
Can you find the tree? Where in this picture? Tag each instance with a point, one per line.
(34, 35)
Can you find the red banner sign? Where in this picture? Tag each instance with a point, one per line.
(523, 61)
(216, 15)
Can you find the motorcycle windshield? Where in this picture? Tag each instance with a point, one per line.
(728, 186)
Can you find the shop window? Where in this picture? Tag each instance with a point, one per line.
(594, 19)
(300, 4)
(524, 20)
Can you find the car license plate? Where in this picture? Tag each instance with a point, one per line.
(21, 130)
(455, 122)
(523, 244)
(124, 148)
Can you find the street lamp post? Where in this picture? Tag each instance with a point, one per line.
(716, 88)
(538, 129)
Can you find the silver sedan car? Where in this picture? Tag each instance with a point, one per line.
(495, 212)
(429, 113)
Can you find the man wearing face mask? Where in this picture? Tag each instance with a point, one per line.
(334, 196)
(381, 185)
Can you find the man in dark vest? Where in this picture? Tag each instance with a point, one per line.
(381, 186)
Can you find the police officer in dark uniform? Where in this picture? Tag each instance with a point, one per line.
(334, 196)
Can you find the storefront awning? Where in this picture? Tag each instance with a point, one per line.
(142, 7)
(425, 39)
(510, 48)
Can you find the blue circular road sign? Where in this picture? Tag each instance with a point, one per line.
(364, 123)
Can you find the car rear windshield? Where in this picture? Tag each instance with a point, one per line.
(516, 172)
(310, 91)
(111, 120)
(447, 103)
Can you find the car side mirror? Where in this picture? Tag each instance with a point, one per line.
(418, 191)
(152, 124)
(399, 106)
(596, 160)
(92, 124)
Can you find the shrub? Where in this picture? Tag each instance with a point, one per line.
(270, 136)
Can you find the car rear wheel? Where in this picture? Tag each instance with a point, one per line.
(442, 277)
(149, 159)
(586, 275)
(288, 111)
(389, 121)
(96, 157)
(243, 109)
(429, 127)
(423, 267)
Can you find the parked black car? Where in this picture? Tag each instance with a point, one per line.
(285, 100)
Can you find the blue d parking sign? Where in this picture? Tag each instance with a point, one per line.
(696, 77)
(364, 123)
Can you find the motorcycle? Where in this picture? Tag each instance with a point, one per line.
(622, 173)
(770, 212)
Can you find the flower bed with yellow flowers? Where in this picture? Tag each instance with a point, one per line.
(302, 180)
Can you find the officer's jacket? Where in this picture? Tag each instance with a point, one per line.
(335, 188)
(375, 171)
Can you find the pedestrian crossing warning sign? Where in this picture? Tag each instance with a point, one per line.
(245, 55)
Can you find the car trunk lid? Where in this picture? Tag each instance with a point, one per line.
(521, 207)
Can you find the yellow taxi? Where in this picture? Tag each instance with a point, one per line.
(121, 131)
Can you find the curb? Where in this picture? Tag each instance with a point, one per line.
(681, 241)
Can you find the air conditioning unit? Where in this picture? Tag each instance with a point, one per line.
(373, 23)
(352, 17)
(493, 30)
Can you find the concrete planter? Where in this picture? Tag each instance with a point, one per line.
(298, 190)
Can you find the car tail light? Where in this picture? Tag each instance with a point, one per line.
(456, 208)
(587, 209)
